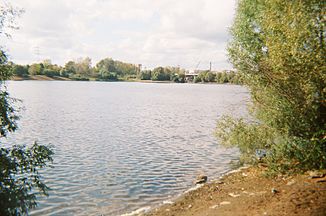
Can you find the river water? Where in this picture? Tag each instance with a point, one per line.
(123, 146)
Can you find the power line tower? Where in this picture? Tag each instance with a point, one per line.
(37, 53)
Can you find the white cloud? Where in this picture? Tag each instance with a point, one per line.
(165, 32)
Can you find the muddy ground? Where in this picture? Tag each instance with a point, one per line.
(250, 192)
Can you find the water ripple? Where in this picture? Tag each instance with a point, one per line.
(123, 146)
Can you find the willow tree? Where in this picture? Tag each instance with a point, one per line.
(279, 48)
(20, 180)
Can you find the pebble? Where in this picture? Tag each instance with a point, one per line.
(234, 195)
(201, 179)
(316, 174)
(225, 203)
(214, 207)
(218, 182)
(274, 191)
(290, 182)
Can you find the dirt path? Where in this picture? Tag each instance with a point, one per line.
(248, 192)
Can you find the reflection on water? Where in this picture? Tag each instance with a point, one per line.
(122, 146)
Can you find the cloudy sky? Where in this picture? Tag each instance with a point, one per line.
(149, 32)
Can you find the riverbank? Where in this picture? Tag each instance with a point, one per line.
(60, 78)
(39, 78)
(249, 192)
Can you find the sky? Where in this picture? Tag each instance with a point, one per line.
(185, 33)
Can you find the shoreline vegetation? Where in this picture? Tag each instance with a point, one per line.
(59, 78)
(112, 70)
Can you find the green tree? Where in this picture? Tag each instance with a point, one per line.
(209, 77)
(84, 66)
(70, 67)
(279, 49)
(145, 75)
(160, 74)
(35, 69)
(19, 70)
(20, 181)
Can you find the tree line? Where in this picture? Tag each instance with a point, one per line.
(108, 69)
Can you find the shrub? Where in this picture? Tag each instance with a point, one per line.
(278, 47)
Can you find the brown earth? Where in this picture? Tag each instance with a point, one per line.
(250, 192)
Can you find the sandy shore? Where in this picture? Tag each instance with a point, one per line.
(249, 192)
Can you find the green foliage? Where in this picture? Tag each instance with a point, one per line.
(248, 137)
(51, 72)
(197, 79)
(278, 47)
(295, 154)
(19, 177)
(35, 69)
(19, 70)
(78, 77)
(120, 68)
(70, 67)
(178, 78)
(218, 77)
(109, 76)
(5, 71)
(20, 180)
(145, 75)
(8, 117)
(160, 74)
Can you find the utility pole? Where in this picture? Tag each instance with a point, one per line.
(210, 66)
(37, 53)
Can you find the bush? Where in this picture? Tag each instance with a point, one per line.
(145, 75)
(51, 73)
(109, 76)
(296, 154)
(19, 70)
(278, 48)
(160, 74)
(209, 77)
(78, 77)
(197, 79)
(247, 136)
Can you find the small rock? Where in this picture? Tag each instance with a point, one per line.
(244, 174)
(225, 203)
(189, 206)
(316, 174)
(260, 153)
(290, 182)
(214, 207)
(250, 194)
(218, 182)
(274, 191)
(168, 202)
(234, 195)
(201, 179)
